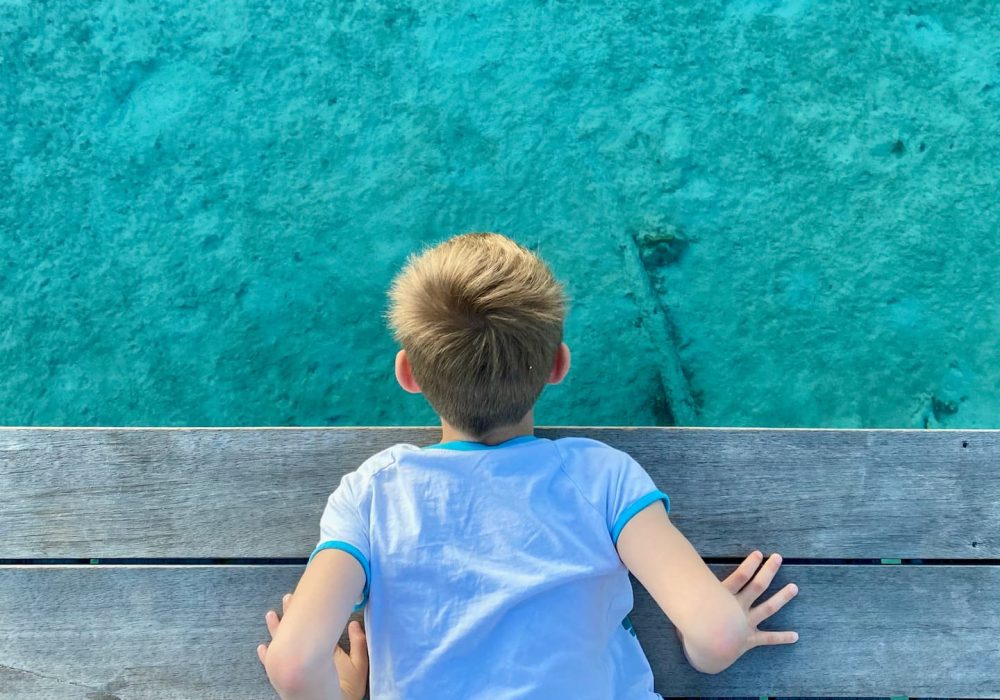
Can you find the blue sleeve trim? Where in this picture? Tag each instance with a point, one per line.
(636, 506)
(354, 552)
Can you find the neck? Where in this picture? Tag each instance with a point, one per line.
(493, 437)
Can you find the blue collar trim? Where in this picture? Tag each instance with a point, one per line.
(470, 445)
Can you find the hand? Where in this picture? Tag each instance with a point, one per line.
(352, 669)
(759, 583)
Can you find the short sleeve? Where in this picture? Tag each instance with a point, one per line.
(631, 489)
(344, 525)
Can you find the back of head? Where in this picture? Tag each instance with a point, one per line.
(481, 318)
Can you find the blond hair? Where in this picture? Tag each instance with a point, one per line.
(481, 318)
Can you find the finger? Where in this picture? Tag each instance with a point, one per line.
(261, 652)
(761, 581)
(271, 619)
(285, 600)
(736, 580)
(772, 604)
(359, 645)
(763, 638)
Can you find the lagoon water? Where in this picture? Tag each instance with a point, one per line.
(776, 213)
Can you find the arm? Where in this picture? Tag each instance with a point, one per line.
(299, 660)
(713, 627)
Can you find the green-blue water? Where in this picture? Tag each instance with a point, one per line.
(768, 213)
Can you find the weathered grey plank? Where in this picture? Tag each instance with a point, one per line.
(131, 632)
(230, 492)
(158, 632)
(917, 631)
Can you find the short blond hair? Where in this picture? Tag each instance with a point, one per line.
(481, 319)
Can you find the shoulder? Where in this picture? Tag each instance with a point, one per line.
(598, 468)
(378, 462)
(385, 460)
(360, 481)
(594, 466)
(354, 494)
(587, 454)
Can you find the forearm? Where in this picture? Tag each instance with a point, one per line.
(706, 663)
(300, 659)
(321, 684)
(714, 658)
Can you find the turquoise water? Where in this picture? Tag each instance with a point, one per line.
(767, 213)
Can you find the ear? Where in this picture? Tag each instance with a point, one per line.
(560, 366)
(404, 373)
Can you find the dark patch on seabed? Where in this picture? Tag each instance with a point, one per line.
(661, 405)
(660, 244)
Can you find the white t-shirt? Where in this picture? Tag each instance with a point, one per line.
(491, 570)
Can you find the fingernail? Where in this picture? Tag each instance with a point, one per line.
(795, 636)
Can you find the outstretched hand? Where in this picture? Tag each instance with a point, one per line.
(352, 669)
(746, 593)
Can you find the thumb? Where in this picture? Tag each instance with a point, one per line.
(359, 645)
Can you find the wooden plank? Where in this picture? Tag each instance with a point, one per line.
(917, 631)
(131, 632)
(118, 632)
(259, 492)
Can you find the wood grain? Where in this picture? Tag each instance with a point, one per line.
(229, 492)
(137, 632)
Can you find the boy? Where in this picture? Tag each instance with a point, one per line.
(494, 564)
